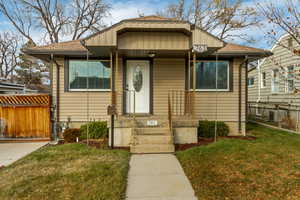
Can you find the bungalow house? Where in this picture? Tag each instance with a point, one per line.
(159, 74)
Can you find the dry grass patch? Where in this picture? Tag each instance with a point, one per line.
(266, 168)
(70, 171)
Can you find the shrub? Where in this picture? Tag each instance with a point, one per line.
(207, 129)
(97, 130)
(70, 135)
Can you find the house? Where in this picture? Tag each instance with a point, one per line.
(273, 85)
(160, 75)
(7, 87)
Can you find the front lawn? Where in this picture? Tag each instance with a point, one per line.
(266, 168)
(70, 171)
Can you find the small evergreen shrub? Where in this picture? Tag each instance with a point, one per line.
(207, 129)
(70, 135)
(97, 130)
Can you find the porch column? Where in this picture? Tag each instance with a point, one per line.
(116, 75)
(194, 83)
(112, 80)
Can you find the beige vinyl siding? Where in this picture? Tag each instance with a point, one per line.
(201, 37)
(119, 86)
(168, 74)
(109, 36)
(75, 104)
(227, 102)
(285, 58)
(253, 90)
(153, 40)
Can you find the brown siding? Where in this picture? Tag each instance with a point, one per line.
(74, 104)
(109, 37)
(153, 40)
(227, 102)
(201, 37)
(168, 74)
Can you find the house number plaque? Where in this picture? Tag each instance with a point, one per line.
(152, 123)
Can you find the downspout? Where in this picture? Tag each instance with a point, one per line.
(240, 93)
(258, 81)
(57, 97)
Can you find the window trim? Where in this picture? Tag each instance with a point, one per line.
(214, 90)
(287, 80)
(250, 86)
(262, 80)
(272, 81)
(67, 76)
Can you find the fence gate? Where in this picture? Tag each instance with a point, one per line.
(25, 116)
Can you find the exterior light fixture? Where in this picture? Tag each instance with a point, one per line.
(151, 54)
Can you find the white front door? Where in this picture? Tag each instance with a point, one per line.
(138, 86)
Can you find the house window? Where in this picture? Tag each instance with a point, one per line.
(89, 75)
(263, 80)
(275, 81)
(289, 86)
(206, 76)
(250, 81)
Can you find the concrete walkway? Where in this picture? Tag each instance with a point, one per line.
(11, 152)
(157, 177)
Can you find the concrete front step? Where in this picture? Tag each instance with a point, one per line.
(152, 148)
(154, 139)
(152, 131)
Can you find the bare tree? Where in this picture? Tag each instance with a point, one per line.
(9, 56)
(284, 19)
(55, 18)
(224, 17)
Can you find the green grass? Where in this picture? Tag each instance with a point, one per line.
(266, 168)
(70, 171)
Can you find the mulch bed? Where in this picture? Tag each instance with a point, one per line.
(206, 141)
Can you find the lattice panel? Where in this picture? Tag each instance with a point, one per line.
(25, 100)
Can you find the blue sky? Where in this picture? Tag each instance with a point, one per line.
(122, 9)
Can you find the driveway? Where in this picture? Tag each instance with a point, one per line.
(11, 152)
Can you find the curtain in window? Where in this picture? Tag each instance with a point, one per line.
(89, 74)
(206, 75)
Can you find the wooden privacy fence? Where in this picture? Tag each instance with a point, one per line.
(26, 116)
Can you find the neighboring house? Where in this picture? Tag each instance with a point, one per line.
(13, 88)
(145, 67)
(273, 84)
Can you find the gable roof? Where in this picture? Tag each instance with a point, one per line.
(76, 47)
(152, 18)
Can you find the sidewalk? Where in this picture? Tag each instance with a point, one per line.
(157, 177)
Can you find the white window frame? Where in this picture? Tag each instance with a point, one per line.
(262, 85)
(251, 77)
(228, 77)
(289, 79)
(86, 89)
(273, 81)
